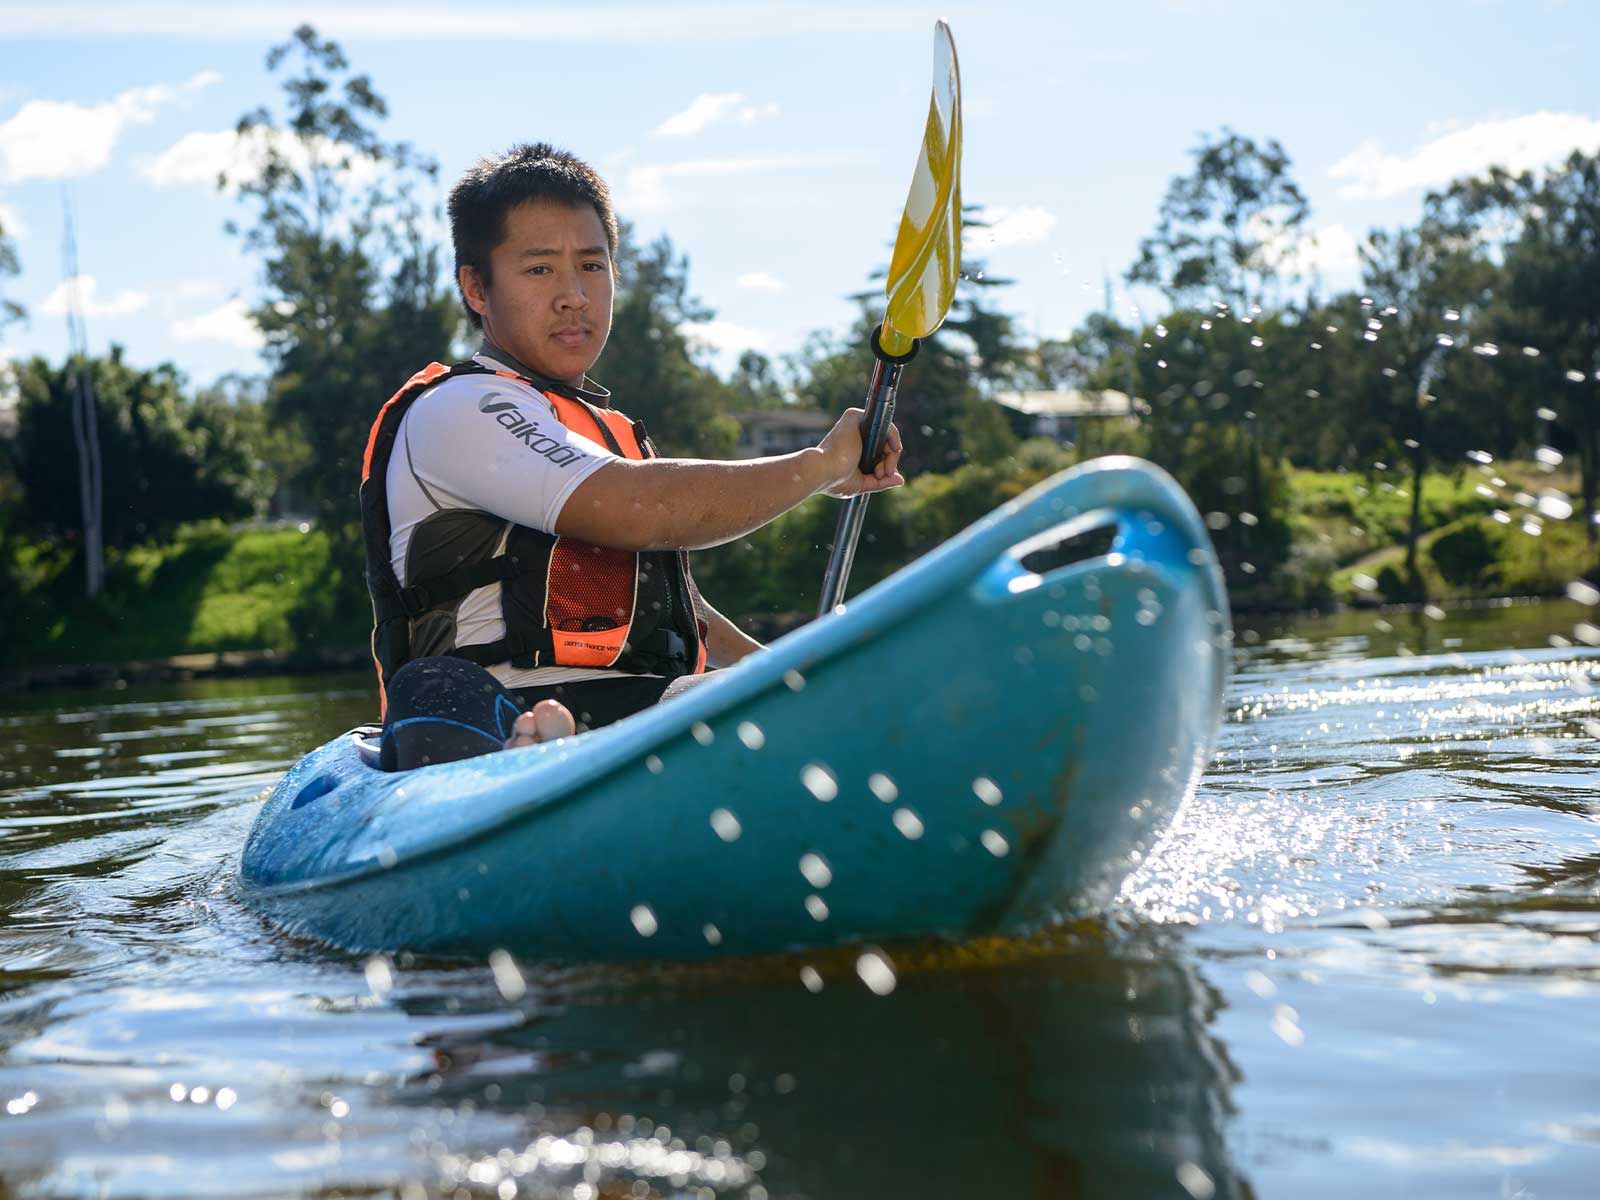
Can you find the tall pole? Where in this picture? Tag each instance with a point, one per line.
(85, 423)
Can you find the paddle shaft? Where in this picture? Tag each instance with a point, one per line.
(880, 411)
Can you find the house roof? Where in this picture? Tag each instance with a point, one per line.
(1073, 403)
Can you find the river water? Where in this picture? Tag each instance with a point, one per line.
(1365, 962)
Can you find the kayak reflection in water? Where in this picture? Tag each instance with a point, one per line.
(527, 549)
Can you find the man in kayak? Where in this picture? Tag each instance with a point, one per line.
(526, 547)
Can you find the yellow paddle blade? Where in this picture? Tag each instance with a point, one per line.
(927, 252)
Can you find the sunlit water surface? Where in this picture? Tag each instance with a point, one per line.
(1365, 962)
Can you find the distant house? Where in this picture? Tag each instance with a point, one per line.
(1058, 414)
(780, 430)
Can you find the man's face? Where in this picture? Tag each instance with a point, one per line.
(549, 299)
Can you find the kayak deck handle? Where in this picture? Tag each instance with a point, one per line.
(315, 790)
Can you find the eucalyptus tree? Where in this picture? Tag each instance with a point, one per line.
(354, 297)
(650, 362)
(1227, 230)
(1425, 288)
(1545, 230)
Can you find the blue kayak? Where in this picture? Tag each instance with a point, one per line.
(986, 741)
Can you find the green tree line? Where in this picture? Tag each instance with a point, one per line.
(1473, 338)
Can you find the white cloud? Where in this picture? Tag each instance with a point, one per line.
(714, 108)
(759, 281)
(1516, 143)
(265, 20)
(203, 156)
(645, 187)
(11, 223)
(1328, 250)
(230, 323)
(60, 139)
(725, 336)
(125, 303)
(1010, 227)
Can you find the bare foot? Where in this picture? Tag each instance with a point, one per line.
(545, 722)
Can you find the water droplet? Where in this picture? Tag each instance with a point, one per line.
(812, 980)
(883, 787)
(876, 972)
(1433, 612)
(1480, 456)
(1364, 582)
(908, 823)
(713, 935)
(750, 734)
(644, 920)
(987, 790)
(1586, 633)
(726, 825)
(200, 1095)
(226, 1098)
(1555, 506)
(994, 843)
(1545, 414)
(1548, 456)
(793, 680)
(387, 857)
(1583, 592)
(817, 907)
(819, 781)
(702, 733)
(177, 1091)
(816, 870)
(1192, 1178)
(652, 764)
(508, 976)
(1574, 376)
(380, 976)
(1286, 1024)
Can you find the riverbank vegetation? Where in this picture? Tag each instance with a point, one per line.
(1433, 435)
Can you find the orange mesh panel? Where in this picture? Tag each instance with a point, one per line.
(591, 587)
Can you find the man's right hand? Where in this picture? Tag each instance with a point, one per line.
(842, 450)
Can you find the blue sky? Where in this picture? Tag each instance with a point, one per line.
(772, 141)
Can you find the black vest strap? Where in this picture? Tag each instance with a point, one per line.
(417, 598)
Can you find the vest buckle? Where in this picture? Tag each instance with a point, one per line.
(415, 600)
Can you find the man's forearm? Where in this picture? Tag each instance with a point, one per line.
(688, 504)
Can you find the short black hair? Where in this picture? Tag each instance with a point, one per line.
(496, 184)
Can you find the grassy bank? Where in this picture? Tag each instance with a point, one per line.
(288, 589)
(210, 589)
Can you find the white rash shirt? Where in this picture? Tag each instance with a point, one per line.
(486, 443)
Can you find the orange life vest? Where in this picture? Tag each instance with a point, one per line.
(565, 603)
